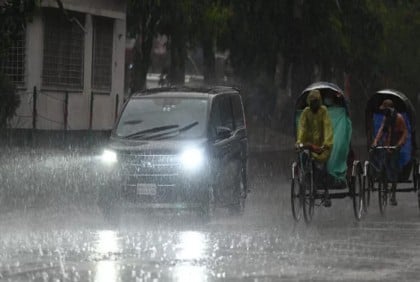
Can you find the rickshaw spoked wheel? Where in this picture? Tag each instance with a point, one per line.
(368, 185)
(296, 195)
(382, 195)
(418, 189)
(358, 195)
(371, 185)
(416, 179)
(308, 195)
(367, 188)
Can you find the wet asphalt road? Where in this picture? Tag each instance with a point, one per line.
(50, 230)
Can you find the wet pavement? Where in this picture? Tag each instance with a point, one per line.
(51, 230)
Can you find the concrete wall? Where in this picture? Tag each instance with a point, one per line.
(50, 102)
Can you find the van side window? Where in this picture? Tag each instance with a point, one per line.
(215, 118)
(226, 113)
(238, 111)
(221, 115)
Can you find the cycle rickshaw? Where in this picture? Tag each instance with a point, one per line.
(375, 176)
(344, 177)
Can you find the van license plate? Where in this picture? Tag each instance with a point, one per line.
(148, 189)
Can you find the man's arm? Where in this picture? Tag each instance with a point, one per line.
(403, 128)
(379, 133)
(301, 129)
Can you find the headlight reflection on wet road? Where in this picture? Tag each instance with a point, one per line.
(106, 271)
(190, 272)
(107, 244)
(191, 249)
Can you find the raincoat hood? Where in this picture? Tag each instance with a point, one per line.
(313, 95)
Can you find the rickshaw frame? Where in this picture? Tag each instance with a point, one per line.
(305, 197)
(402, 105)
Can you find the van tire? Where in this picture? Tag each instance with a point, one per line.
(208, 206)
(239, 195)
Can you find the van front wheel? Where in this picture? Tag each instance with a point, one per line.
(208, 205)
(239, 195)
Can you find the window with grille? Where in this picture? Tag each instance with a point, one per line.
(103, 31)
(13, 63)
(63, 49)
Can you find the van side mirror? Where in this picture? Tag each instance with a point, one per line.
(223, 132)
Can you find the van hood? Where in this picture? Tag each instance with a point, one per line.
(153, 146)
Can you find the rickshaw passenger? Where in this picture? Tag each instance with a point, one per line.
(393, 132)
(315, 130)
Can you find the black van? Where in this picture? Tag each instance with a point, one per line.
(178, 147)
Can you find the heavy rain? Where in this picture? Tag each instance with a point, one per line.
(52, 230)
(184, 165)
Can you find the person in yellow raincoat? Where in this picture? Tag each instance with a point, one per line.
(315, 130)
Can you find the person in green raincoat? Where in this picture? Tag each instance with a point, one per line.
(315, 130)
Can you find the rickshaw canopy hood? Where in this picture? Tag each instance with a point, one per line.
(401, 104)
(324, 88)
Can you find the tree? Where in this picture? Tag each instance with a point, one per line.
(399, 62)
(14, 14)
(143, 18)
(176, 20)
(9, 101)
(253, 38)
(270, 42)
(186, 23)
(208, 24)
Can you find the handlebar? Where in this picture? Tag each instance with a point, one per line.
(302, 147)
(383, 148)
(309, 147)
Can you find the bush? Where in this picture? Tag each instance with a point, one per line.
(9, 101)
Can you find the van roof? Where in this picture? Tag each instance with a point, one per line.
(185, 91)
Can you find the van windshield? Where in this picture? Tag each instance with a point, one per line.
(163, 118)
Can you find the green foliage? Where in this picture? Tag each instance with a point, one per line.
(401, 55)
(374, 42)
(253, 39)
(185, 22)
(9, 101)
(14, 14)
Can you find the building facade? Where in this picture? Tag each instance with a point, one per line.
(68, 65)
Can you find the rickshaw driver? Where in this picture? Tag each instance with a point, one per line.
(315, 130)
(393, 132)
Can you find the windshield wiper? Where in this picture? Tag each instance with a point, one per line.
(176, 132)
(151, 130)
(134, 121)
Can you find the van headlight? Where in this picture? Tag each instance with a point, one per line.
(192, 159)
(109, 157)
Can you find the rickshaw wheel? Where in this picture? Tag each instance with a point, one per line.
(418, 189)
(296, 196)
(308, 201)
(382, 196)
(367, 188)
(358, 196)
(418, 193)
(416, 180)
(370, 185)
